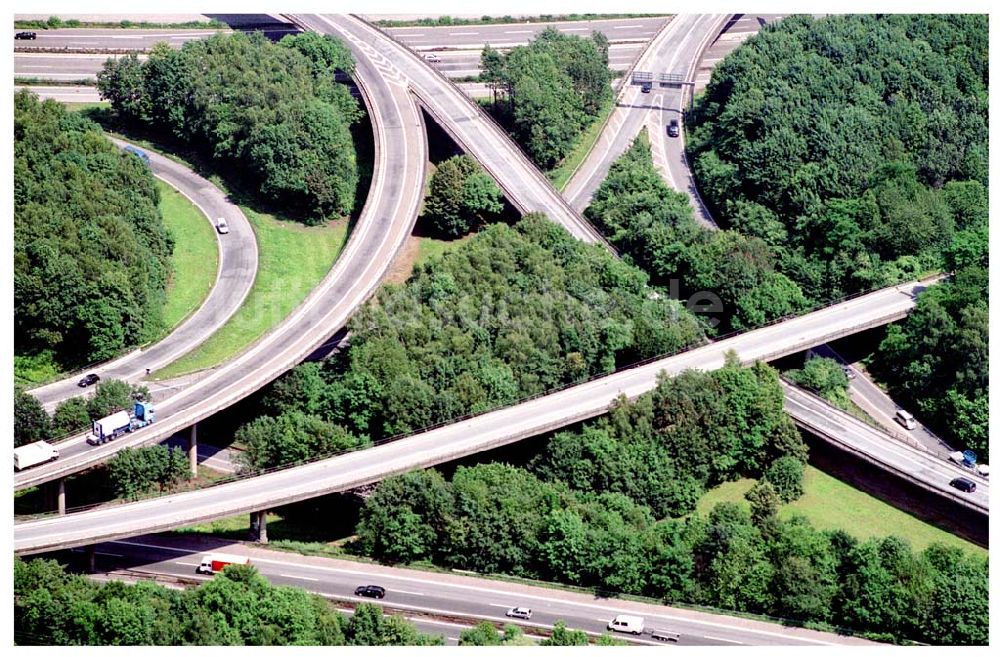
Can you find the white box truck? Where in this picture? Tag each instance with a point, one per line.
(626, 623)
(26, 456)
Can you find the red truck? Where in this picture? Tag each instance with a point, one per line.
(214, 563)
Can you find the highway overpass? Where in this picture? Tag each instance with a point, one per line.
(385, 223)
(468, 436)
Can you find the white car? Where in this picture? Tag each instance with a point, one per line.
(519, 612)
(432, 58)
(221, 225)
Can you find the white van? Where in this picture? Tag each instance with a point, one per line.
(906, 419)
(629, 624)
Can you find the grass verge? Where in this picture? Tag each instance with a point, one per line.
(195, 259)
(829, 503)
(293, 259)
(562, 173)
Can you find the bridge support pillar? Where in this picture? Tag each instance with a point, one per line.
(258, 526)
(90, 558)
(61, 496)
(193, 449)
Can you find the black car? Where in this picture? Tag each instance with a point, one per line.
(370, 591)
(88, 380)
(964, 485)
(674, 129)
(26, 35)
(646, 87)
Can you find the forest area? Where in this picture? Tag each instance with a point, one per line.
(275, 111)
(91, 252)
(853, 149)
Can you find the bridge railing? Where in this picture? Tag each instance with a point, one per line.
(522, 400)
(526, 161)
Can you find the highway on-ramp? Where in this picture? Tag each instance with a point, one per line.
(425, 596)
(385, 223)
(672, 51)
(469, 436)
(237, 270)
(525, 186)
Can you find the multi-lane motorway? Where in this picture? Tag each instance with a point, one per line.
(428, 597)
(462, 438)
(236, 273)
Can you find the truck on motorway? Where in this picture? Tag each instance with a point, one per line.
(967, 459)
(114, 425)
(214, 563)
(26, 456)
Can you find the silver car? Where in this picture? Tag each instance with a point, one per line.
(519, 612)
(222, 225)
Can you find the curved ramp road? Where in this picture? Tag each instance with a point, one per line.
(236, 274)
(384, 224)
(466, 437)
(676, 49)
(520, 180)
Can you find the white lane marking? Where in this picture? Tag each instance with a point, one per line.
(407, 592)
(128, 37)
(519, 32)
(494, 604)
(186, 563)
(108, 554)
(479, 589)
(573, 29)
(462, 33)
(716, 638)
(625, 27)
(307, 579)
(407, 36)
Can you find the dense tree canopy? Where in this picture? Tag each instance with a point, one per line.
(274, 110)
(655, 226)
(937, 360)
(462, 196)
(609, 506)
(134, 471)
(237, 607)
(835, 141)
(514, 312)
(91, 252)
(552, 89)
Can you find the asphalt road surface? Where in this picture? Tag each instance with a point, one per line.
(674, 52)
(453, 441)
(64, 94)
(927, 470)
(384, 224)
(458, 599)
(523, 184)
(236, 274)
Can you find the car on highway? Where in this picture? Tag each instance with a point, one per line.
(222, 225)
(432, 58)
(906, 419)
(370, 591)
(964, 485)
(849, 372)
(646, 87)
(88, 380)
(674, 129)
(26, 35)
(519, 612)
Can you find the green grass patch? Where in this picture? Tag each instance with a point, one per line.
(195, 259)
(431, 247)
(585, 141)
(83, 107)
(35, 369)
(829, 503)
(293, 259)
